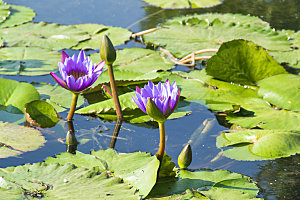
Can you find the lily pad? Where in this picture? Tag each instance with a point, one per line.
(28, 61)
(117, 35)
(19, 15)
(183, 3)
(242, 62)
(41, 114)
(45, 35)
(14, 95)
(292, 58)
(138, 169)
(15, 139)
(282, 90)
(205, 181)
(57, 96)
(261, 144)
(62, 182)
(196, 34)
(4, 11)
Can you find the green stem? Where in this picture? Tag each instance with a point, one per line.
(114, 92)
(73, 107)
(162, 142)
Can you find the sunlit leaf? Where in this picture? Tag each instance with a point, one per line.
(15, 139)
(184, 3)
(28, 61)
(14, 95)
(4, 11)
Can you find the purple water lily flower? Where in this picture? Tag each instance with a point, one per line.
(163, 96)
(78, 73)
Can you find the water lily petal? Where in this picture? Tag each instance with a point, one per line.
(64, 56)
(59, 80)
(141, 106)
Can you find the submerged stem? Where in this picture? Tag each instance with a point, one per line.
(162, 142)
(114, 92)
(73, 106)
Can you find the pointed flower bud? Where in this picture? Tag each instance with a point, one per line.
(107, 51)
(77, 72)
(158, 101)
(185, 157)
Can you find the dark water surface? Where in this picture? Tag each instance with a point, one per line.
(279, 179)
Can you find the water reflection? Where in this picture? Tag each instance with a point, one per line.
(280, 178)
(71, 141)
(115, 133)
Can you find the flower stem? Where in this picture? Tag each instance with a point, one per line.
(73, 106)
(114, 92)
(161, 149)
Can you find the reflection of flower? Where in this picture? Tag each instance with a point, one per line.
(157, 101)
(78, 73)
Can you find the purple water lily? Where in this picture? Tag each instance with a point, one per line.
(78, 73)
(163, 96)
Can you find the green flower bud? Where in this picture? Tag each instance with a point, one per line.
(107, 51)
(154, 112)
(185, 157)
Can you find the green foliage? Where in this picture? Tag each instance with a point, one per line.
(4, 11)
(28, 61)
(15, 140)
(41, 114)
(184, 3)
(242, 62)
(14, 95)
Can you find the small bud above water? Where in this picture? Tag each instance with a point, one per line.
(107, 51)
(185, 157)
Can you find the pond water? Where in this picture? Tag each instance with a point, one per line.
(279, 179)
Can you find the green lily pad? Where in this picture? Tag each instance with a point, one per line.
(138, 169)
(182, 37)
(183, 3)
(45, 35)
(242, 62)
(15, 139)
(291, 58)
(4, 11)
(188, 194)
(14, 95)
(19, 15)
(28, 61)
(117, 35)
(41, 114)
(62, 182)
(205, 181)
(57, 96)
(261, 144)
(281, 90)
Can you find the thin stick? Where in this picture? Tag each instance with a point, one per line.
(194, 59)
(198, 52)
(162, 142)
(73, 107)
(135, 35)
(173, 59)
(144, 18)
(114, 92)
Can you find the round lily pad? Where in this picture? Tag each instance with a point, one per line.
(4, 11)
(15, 139)
(183, 3)
(41, 114)
(19, 15)
(182, 37)
(117, 35)
(28, 61)
(45, 35)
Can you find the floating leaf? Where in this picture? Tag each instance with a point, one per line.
(41, 114)
(183, 3)
(182, 37)
(242, 62)
(15, 139)
(117, 35)
(4, 11)
(291, 58)
(18, 15)
(138, 169)
(28, 61)
(14, 95)
(261, 144)
(204, 180)
(62, 182)
(45, 35)
(281, 90)
(57, 96)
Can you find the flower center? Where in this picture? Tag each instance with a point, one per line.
(76, 74)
